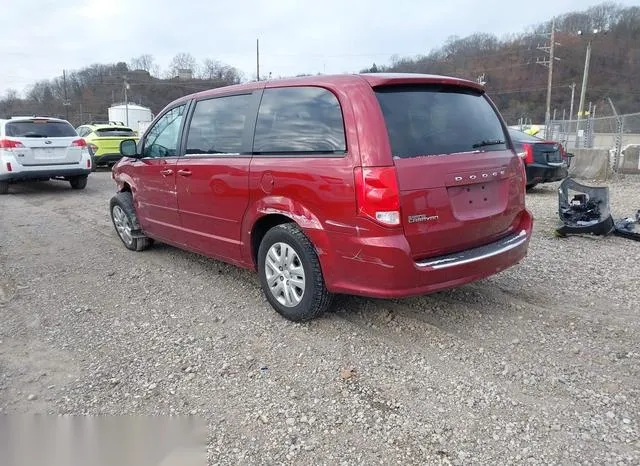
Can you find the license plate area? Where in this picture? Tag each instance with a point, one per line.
(477, 200)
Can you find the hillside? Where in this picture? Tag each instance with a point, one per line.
(518, 84)
(514, 79)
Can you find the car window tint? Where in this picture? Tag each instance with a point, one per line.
(115, 132)
(299, 120)
(438, 120)
(520, 136)
(217, 125)
(162, 139)
(40, 129)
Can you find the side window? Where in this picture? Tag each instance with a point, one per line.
(162, 139)
(82, 131)
(217, 125)
(299, 120)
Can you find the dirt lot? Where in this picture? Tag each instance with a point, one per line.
(538, 365)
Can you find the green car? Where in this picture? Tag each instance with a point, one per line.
(103, 141)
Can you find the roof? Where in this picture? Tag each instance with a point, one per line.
(374, 79)
(23, 118)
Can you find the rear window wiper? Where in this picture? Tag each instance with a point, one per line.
(488, 142)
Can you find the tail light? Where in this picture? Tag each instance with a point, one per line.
(527, 153)
(378, 195)
(79, 143)
(563, 153)
(10, 144)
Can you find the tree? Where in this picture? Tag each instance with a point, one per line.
(215, 70)
(183, 61)
(144, 62)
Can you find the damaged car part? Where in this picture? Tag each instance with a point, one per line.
(628, 227)
(588, 212)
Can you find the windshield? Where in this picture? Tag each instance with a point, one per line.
(40, 129)
(113, 132)
(522, 137)
(439, 120)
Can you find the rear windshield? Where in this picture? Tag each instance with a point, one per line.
(113, 132)
(522, 137)
(40, 129)
(439, 120)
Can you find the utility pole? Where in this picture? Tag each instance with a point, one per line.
(66, 99)
(126, 101)
(585, 76)
(573, 91)
(550, 49)
(258, 59)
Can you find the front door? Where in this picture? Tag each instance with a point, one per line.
(155, 178)
(213, 176)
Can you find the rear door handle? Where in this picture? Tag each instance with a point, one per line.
(184, 172)
(166, 172)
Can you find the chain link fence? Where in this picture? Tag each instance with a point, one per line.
(618, 135)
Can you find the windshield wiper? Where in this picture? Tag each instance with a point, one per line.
(490, 142)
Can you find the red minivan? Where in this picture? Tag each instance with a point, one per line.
(380, 185)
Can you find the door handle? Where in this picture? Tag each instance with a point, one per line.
(184, 172)
(166, 172)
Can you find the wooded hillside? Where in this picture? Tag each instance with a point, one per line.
(518, 84)
(514, 79)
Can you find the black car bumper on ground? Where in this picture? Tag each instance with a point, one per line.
(106, 159)
(543, 173)
(44, 174)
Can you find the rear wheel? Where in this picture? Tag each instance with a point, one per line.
(125, 221)
(4, 187)
(78, 182)
(290, 274)
(531, 186)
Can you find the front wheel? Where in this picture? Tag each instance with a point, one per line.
(290, 274)
(125, 221)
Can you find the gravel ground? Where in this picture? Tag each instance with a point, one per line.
(537, 365)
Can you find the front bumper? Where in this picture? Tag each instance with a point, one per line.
(383, 267)
(542, 173)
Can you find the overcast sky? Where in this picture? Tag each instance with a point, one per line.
(41, 37)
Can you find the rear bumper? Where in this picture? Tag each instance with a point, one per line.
(106, 158)
(541, 173)
(384, 268)
(43, 174)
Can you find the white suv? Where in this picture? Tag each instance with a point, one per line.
(42, 148)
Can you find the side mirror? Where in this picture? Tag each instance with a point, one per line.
(129, 148)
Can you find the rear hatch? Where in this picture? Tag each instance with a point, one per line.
(45, 142)
(548, 153)
(108, 139)
(460, 184)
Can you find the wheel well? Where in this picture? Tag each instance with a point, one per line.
(125, 188)
(260, 229)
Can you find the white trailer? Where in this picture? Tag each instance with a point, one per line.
(134, 116)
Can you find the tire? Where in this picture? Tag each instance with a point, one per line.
(125, 221)
(298, 306)
(78, 182)
(4, 187)
(531, 186)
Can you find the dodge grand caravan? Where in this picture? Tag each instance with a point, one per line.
(376, 185)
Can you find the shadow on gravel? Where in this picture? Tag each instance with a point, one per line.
(47, 187)
(540, 191)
